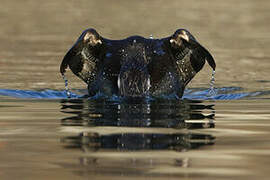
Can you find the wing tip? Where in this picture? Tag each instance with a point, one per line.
(211, 61)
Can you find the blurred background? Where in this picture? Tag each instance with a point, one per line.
(35, 35)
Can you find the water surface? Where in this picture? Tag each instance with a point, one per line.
(45, 134)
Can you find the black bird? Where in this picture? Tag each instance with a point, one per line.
(136, 66)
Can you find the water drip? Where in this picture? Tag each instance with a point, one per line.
(66, 86)
(212, 91)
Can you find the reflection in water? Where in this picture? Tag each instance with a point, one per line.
(139, 113)
(138, 141)
(165, 126)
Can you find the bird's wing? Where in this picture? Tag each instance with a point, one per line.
(189, 55)
(83, 56)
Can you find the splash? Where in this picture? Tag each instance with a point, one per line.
(66, 86)
(212, 91)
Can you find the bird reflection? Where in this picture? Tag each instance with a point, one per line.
(138, 113)
(114, 128)
(138, 141)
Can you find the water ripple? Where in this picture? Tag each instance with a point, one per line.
(222, 93)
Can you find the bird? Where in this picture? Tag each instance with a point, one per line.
(136, 66)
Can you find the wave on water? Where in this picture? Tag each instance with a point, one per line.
(223, 93)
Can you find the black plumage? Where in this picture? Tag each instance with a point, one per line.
(136, 66)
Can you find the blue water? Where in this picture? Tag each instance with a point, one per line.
(222, 93)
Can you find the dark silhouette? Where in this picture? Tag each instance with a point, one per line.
(136, 66)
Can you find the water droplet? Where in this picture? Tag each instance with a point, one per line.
(151, 36)
(66, 86)
(108, 54)
(212, 91)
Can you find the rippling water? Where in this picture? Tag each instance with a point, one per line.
(204, 135)
(224, 93)
(43, 133)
